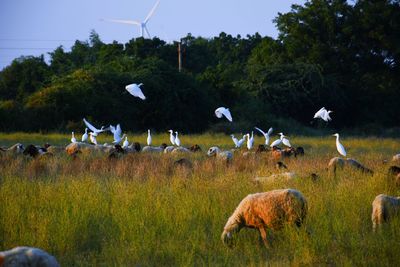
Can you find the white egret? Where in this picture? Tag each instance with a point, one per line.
(117, 131)
(235, 140)
(171, 137)
(134, 89)
(326, 116)
(118, 139)
(223, 111)
(250, 141)
(266, 134)
(148, 138)
(277, 142)
(92, 137)
(125, 144)
(339, 146)
(73, 139)
(85, 135)
(319, 113)
(94, 130)
(177, 140)
(241, 141)
(285, 141)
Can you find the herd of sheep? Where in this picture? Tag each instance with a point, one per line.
(263, 211)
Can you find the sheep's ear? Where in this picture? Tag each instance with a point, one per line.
(1, 260)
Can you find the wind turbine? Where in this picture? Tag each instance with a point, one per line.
(142, 25)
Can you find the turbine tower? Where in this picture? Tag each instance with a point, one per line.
(142, 25)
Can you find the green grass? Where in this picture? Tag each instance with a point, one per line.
(139, 211)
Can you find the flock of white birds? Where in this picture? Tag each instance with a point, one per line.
(135, 90)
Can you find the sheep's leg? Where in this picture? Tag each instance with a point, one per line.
(263, 233)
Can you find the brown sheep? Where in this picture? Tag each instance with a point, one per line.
(183, 162)
(27, 256)
(268, 210)
(262, 148)
(340, 163)
(396, 158)
(195, 148)
(14, 149)
(383, 209)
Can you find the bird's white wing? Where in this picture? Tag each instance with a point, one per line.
(319, 112)
(276, 142)
(286, 142)
(270, 131)
(151, 12)
(112, 129)
(118, 129)
(218, 112)
(138, 92)
(131, 22)
(227, 114)
(91, 127)
(261, 131)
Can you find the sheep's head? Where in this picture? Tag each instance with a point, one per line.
(212, 151)
(195, 148)
(227, 238)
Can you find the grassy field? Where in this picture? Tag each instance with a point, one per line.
(141, 211)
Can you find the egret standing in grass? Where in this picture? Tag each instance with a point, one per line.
(73, 139)
(277, 142)
(148, 138)
(171, 137)
(285, 141)
(125, 144)
(85, 135)
(241, 141)
(134, 89)
(235, 140)
(92, 137)
(339, 146)
(177, 140)
(266, 134)
(223, 111)
(250, 141)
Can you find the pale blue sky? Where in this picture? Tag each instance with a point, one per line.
(33, 27)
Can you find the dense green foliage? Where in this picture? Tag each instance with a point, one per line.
(329, 53)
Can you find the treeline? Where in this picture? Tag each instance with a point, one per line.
(328, 53)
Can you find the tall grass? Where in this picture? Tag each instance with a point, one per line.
(141, 211)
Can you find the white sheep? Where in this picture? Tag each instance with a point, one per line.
(216, 151)
(156, 149)
(168, 149)
(14, 149)
(383, 209)
(396, 158)
(27, 256)
(268, 210)
(180, 149)
(284, 176)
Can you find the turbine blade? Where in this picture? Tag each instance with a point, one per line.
(131, 22)
(151, 12)
(147, 31)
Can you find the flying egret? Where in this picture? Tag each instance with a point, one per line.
(94, 129)
(92, 137)
(326, 116)
(171, 137)
(285, 141)
(73, 139)
(148, 138)
(323, 114)
(118, 139)
(177, 140)
(339, 146)
(85, 135)
(117, 132)
(134, 89)
(241, 141)
(250, 141)
(223, 111)
(235, 140)
(266, 134)
(125, 144)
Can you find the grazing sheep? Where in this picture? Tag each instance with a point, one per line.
(280, 165)
(134, 147)
(393, 170)
(299, 151)
(151, 149)
(183, 163)
(35, 151)
(14, 149)
(116, 152)
(168, 149)
(396, 158)
(180, 149)
(358, 166)
(268, 210)
(262, 148)
(27, 256)
(75, 148)
(335, 163)
(55, 149)
(216, 151)
(195, 148)
(383, 209)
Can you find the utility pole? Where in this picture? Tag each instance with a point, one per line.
(179, 57)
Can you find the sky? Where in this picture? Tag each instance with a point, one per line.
(34, 27)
